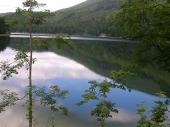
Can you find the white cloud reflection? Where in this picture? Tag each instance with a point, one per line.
(124, 117)
(13, 117)
(50, 65)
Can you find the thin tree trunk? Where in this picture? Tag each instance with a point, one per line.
(30, 112)
(102, 122)
(30, 81)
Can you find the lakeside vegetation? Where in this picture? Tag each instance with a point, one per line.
(92, 17)
(3, 25)
(138, 20)
(153, 51)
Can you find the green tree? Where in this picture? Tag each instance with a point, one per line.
(7, 98)
(23, 58)
(28, 12)
(103, 109)
(158, 117)
(3, 25)
(148, 22)
(99, 91)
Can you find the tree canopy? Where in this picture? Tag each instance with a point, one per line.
(146, 21)
(3, 26)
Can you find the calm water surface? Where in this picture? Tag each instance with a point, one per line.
(72, 69)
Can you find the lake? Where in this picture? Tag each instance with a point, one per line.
(72, 67)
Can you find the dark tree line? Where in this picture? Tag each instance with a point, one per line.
(92, 17)
(4, 28)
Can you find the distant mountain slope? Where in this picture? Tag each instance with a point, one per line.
(86, 10)
(5, 14)
(90, 17)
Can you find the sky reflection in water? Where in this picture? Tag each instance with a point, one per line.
(51, 68)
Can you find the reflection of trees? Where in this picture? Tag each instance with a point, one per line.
(4, 42)
(107, 57)
(4, 28)
(97, 92)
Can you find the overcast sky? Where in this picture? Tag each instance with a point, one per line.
(53, 5)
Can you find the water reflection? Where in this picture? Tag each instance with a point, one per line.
(59, 66)
(108, 56)
(54, 66)
(4, 42)
(14, 117)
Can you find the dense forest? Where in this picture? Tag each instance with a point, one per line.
(3, 26)
(147, 22)
(138, 20)
(92, 17)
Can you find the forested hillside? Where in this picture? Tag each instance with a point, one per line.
(4, 28)
(91, 17)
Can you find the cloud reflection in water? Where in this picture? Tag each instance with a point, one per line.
(51, 65)
(51, 68)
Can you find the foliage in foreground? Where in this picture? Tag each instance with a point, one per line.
(148, 22)
(104, 107)
(98, 91)
(7, 98)
(158, 117)
(47, 96)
